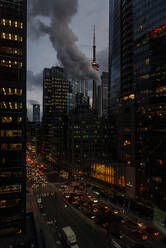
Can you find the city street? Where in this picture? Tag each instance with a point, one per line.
(55, 210)
(55, 207)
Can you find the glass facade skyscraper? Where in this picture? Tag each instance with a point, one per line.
(36, 112)
(140, 127)
(12, 115)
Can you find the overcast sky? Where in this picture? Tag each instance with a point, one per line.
(41, 53)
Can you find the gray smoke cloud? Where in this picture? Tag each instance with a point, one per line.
(34, 81)
(60, 14)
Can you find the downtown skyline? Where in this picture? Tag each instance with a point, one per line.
(40, 53)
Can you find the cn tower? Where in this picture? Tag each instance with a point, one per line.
(95, 66)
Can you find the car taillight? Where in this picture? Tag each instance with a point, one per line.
(156, 234)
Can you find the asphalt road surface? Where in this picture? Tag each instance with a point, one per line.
(87, 235)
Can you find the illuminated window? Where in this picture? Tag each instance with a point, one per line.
(126, 143)
(10, 22)
(16, 24)
(3, 36)
(3, 147)
(16, 37)
(11, 133)
(140, 27)
(6, 119)
(2, 132)
(10, 36)
(15, 147)
(19, 119)
(145, 76)
(147, 61)
(3, 22)
(21, 25)
(11, 188)
(3, 204)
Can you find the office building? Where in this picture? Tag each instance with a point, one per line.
(12, 116)
(56, 88)
(36, 112)
(137, 96)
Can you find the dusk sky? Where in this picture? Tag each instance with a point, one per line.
(41, 53)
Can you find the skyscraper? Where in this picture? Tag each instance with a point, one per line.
(137, 95)
(12, 115)
(55, 98)
(36, 112)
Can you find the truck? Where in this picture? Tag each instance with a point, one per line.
(69, 237)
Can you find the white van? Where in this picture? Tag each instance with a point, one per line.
(69, 237)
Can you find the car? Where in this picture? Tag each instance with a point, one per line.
(95, 210)
(151, 230)
(140, 235)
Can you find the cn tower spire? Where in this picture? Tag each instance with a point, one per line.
(94, 44)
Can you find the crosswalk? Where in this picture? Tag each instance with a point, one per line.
(48, 194)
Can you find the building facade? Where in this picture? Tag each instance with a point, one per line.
(56, 89)
(12, 116)
(140, 102)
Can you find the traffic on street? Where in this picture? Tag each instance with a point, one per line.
(96, 222)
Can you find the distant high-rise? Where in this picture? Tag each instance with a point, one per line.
(95, 66)
(36, 112)
(138, 95)
(12, 116)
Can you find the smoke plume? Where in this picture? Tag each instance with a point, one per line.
(60, 14)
